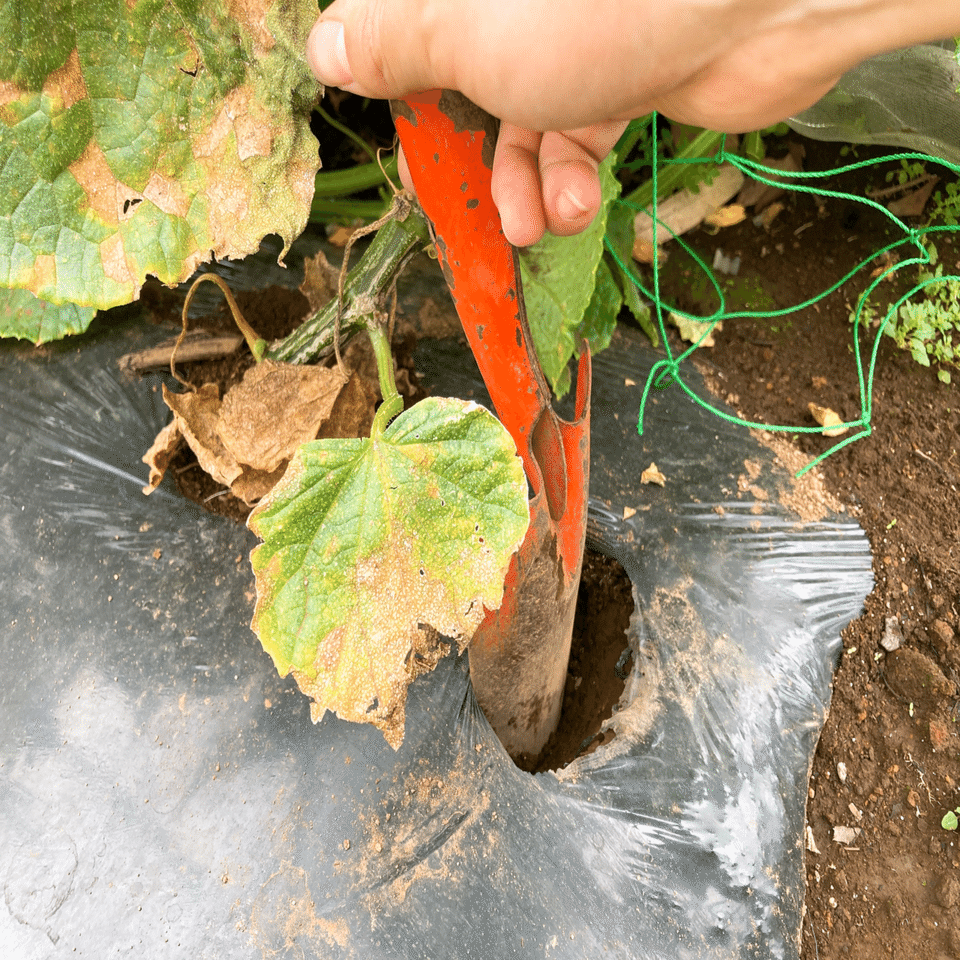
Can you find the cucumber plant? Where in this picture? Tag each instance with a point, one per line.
(141, 139)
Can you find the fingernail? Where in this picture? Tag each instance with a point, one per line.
(570, 207)
(327, 54)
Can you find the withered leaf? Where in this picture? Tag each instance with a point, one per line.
(913, 204)
(319, 281)
(653, 475)
(693, 330)
(728, 216)
(274, 409)
(162, 451)
(197, 416)
(246, 440)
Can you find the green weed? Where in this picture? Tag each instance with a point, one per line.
(926, 324)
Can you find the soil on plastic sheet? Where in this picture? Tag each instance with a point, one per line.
(886, 769)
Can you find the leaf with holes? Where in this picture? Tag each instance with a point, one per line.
(367, 543)
(143, 137)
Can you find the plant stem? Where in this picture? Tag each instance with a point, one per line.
(389, 251)
(347, 132)
(628, 140)
(703, 145)
(392, 401)
(255, 342)
(330, 184)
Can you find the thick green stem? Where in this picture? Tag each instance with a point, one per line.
(332, 184)
(373, 276)
(705, 144)
(392, 401)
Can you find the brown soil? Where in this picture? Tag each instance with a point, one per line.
(887, 763)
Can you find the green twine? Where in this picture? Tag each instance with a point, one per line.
(667, 371)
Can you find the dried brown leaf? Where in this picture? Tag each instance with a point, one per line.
(913, 204)
(341, 236)
(252, 485)
(728, 216)
(692, 330)
(162, 451)
(353, 410)
(829, 419)
(359, 358)
(653, 475)
(274, 409)
(246, 440)
(198, 417)
(770, 213)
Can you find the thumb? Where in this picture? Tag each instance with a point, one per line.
(382, 50)
(518, 61)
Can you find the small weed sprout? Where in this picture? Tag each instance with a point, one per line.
(909, 170)
(927, 326)
(945, 205)
(950, 821)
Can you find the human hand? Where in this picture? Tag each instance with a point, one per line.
(580, 73)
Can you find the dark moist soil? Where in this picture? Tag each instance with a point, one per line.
(887, 762)
(600, 662)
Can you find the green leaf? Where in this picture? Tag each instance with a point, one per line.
(143, 137)
(600, 318)
(620, 236)
(559, 275)
(950, 821)
(919, 353)
(366, 542)
(23, 315)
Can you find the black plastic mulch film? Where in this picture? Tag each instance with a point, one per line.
(162, 791)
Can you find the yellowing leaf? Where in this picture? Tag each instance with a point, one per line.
(144, 137)
(370, 546)
(22, 315)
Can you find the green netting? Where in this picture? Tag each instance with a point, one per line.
(669, 371)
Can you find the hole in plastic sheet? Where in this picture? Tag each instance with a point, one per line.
(596, 674)
(600, 662)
